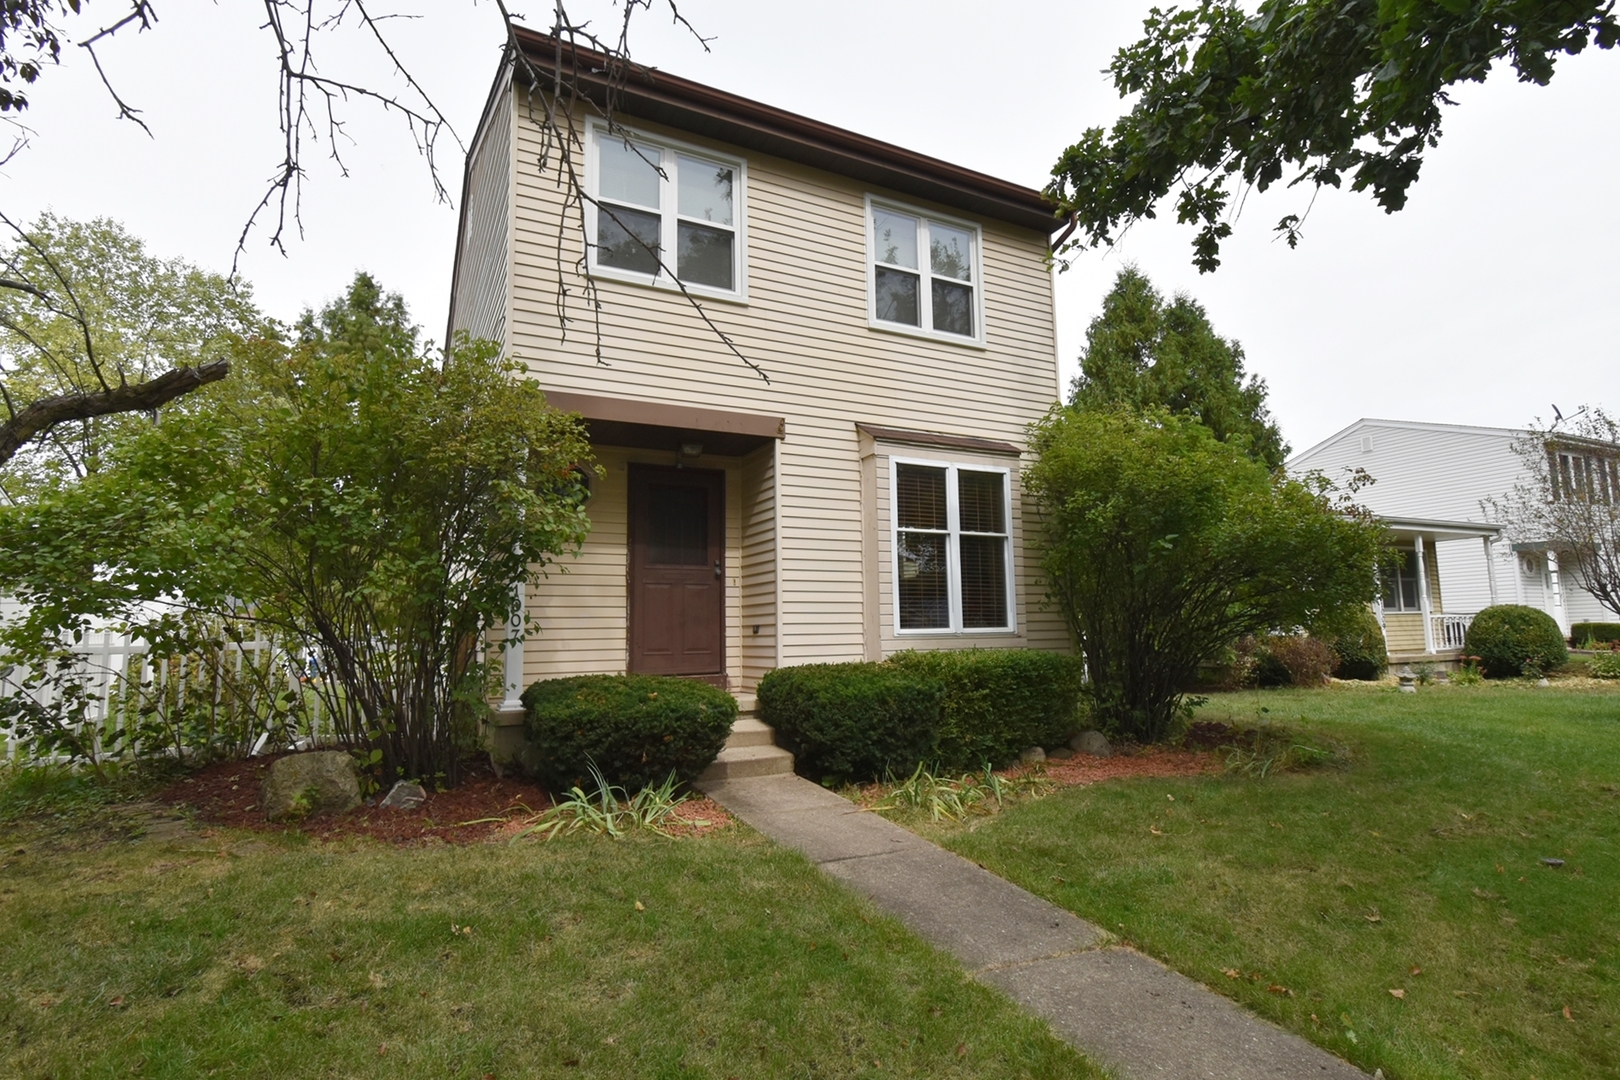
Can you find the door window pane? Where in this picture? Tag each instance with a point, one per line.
(677, 525)
(953, 308)
(924, 575)
(705, 190)
(979, 501)
(897, 297)
(950, 251)
(894, 238)
(629, 176)
(705, 256)
(984, 581)
(623, 237)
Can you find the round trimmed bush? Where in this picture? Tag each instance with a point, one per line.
(1359, 651)
(999, 702)
(853, 721)
(1513, 639)
(636, 728)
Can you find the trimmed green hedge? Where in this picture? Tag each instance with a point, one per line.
(999, 702)
(1514, 639)
(636, 728)
(1359, 651)
(853, 721)
(1604, 633)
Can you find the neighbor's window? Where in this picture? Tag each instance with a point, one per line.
(660, 210)
(952, 561)
(1401, 585)
(1584, 477)
(925, 273)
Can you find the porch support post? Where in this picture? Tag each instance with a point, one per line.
(1423, 598)
(1490, 566)
(506, 725)
(1555, 579)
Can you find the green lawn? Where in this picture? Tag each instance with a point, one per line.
(1323, 891)
(717, 957)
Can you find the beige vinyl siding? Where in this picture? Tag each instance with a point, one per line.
(478, 293)
(1403, 632)
(805, 323)
(757, 653)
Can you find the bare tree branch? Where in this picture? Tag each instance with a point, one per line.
(39, 417)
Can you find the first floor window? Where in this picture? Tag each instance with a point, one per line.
(952, 548)
(1401, 585)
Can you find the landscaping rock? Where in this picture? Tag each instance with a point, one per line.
(1034, 755)
(404, 796)
(1094, 743)
(303, 785)
(1061, 753)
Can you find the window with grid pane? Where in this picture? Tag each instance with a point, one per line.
(952, 548)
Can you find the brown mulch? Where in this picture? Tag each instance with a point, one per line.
(1145, 761)
(482, 807)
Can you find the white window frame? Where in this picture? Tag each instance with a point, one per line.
(925, 298)
(668, 212)
(953, 522)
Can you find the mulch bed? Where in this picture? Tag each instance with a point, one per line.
(1136, 762)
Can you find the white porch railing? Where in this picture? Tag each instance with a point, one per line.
(1450, 631)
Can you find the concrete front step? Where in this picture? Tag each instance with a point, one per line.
(747, 704)
(747, 731)
(740, 762)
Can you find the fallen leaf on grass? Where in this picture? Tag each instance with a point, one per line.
(1374, 917)
(1232, 973)
(1398, 995)
(640, 906)
(1281, 991)
(961, 1049)
(1154, 829)
(1567, 1015)
(1415, 970)
(118, 1003)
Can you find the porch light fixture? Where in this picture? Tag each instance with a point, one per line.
(691, 449)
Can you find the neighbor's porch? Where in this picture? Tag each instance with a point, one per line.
(1411, 604)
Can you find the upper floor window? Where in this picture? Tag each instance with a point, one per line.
(952, 548)
(1584, 477)
(662, 209)
(923, 273)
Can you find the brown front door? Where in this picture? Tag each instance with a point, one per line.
(677, 571)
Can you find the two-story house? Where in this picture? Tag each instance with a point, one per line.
(1434, 487)
(866, 498)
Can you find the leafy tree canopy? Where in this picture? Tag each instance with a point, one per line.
(1163, 545)
(1318, 91)
(1144, 353)
(107, 314)
(364, 500)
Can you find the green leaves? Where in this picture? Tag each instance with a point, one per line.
(1317, 88)
(1163, 544)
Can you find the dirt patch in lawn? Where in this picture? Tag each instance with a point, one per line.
(1139, 762)
(482, 807)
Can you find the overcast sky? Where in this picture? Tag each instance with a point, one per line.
(1488, 299)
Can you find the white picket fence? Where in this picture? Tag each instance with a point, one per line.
(120, 675)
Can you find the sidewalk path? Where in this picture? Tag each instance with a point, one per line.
(1125, 1010)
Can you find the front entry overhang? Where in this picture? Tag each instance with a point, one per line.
(655, 425)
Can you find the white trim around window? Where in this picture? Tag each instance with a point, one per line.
(955, 609)
(691, 199)
(925, 274)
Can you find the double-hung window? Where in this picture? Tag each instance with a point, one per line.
(1400, 584)
(924, 274)
(952, 548)
(662, 210)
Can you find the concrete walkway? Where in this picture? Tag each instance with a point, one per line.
(1123, 1009)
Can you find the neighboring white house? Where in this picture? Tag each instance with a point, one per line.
(1432, 483)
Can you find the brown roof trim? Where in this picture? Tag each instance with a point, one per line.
(660, 414)
(945, 442)
(691, 106)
